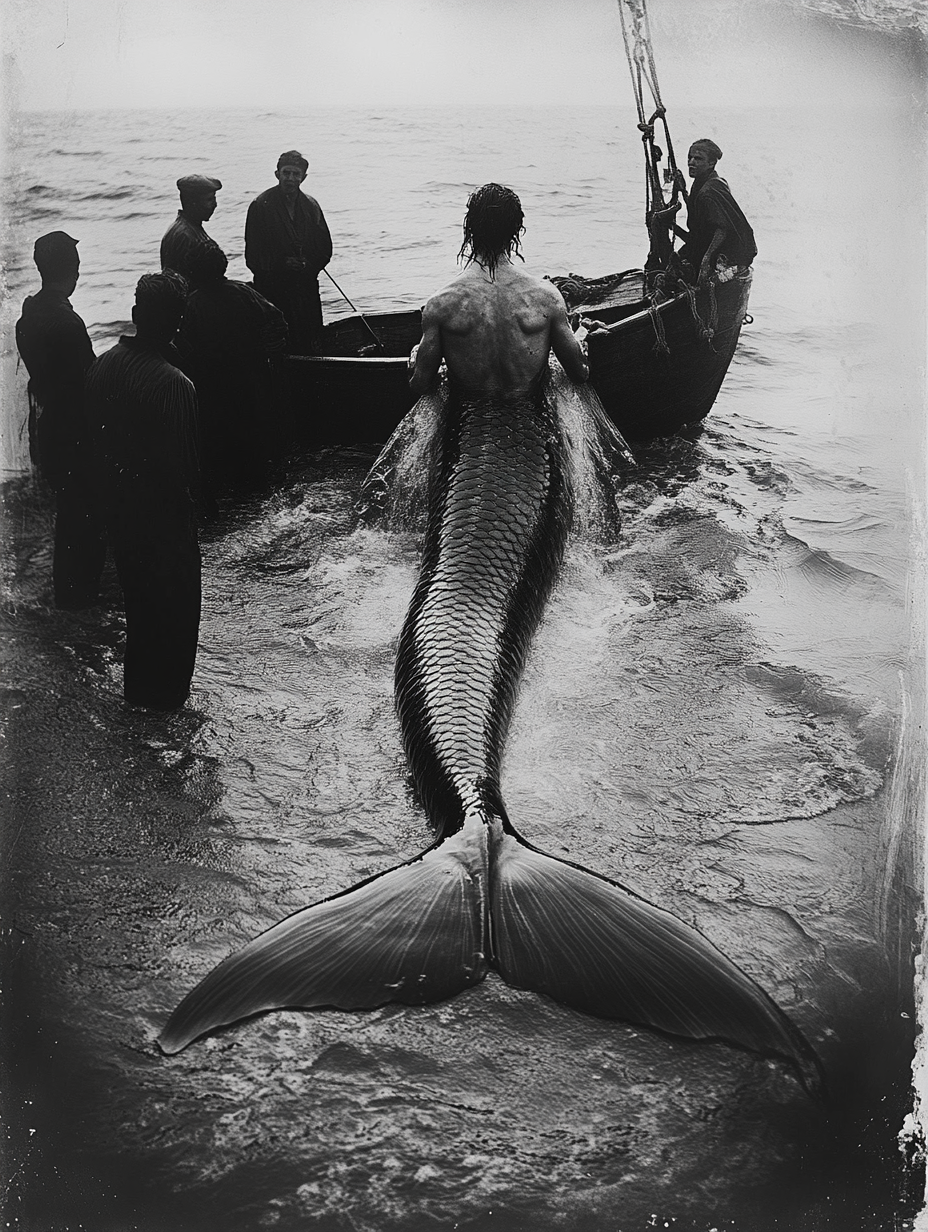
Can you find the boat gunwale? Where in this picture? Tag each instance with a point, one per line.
(644, 313)
(388, 360)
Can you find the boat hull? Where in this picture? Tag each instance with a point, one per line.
(342, 397)
(655, 369)
(659, 369)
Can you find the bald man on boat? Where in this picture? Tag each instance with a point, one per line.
(495, 325)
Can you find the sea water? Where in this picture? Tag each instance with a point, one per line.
(719, 711)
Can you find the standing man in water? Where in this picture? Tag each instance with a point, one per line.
(144, 411)
(717, 225)
(495, 325)
(186, 234)
(287, 244)
(56, 350)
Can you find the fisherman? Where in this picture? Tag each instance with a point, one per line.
(719, 233)
(228, 340)
(144, 411)
(495, 325)
(56, 350)
(186, 233)
(287, 243)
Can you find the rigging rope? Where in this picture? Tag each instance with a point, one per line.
(636, 35)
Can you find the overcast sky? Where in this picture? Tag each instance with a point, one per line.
(117, 53)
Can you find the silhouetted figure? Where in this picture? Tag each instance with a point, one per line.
(228, 339)
(56, 350)
(186, 235)
(144, 411)
(287, 243)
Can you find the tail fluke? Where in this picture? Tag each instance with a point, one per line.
(414, 934)
(589, 943)
(428, 929)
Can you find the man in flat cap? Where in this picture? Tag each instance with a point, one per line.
(287, 243)
(186, 234)
(143, 411)
(717, 228)
(56, 350)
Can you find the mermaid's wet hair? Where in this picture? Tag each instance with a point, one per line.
(492, 226)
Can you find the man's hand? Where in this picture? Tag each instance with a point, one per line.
(591, 326)
(664, 214)
(295, 263)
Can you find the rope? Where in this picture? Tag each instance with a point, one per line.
(713, 308)
(636, 36)
(705, 329)
(660, 346)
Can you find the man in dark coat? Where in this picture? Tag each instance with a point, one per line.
(56, 350)
(144, 412)
(186, 234)
(228, 340)
(717, 227)
(287, 243)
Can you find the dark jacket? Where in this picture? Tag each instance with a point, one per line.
(271, 236)
(182, 238)
(143, 412)
(712, 207)
(54, 345)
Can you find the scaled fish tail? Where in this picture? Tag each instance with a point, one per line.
(484, 899)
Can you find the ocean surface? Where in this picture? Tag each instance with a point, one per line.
(721, 711)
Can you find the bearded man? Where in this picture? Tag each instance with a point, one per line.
(287, 244)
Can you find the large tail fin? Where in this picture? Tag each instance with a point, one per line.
(415, 934)
(589, 943)
(429, 929)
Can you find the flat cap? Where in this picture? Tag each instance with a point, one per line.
(55, 244)
(55, 254)
(198, 183)
(292, 158)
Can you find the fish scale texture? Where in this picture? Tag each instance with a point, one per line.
(500, 513)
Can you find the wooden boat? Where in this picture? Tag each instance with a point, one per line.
(655, 368)
(658, 348)
(355, 392)
(659, 366)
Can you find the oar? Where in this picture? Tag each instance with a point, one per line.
(357, 310)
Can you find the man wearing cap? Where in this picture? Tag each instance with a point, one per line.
(56, 350)
(287, 243)
(717, 226)
(143, 411)
(186, 234)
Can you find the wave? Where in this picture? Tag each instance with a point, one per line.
(108, 194)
